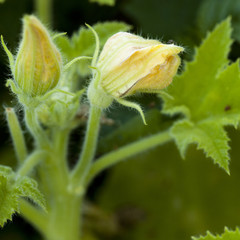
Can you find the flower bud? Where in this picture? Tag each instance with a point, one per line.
(130, 64)
(38, 62)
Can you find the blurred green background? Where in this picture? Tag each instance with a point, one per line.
(155, 195)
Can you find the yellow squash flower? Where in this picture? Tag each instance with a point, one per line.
(129, 64)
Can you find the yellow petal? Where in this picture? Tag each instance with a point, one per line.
(152, 61)
(158, 78)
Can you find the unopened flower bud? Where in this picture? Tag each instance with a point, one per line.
(38, 63)
(130, 64)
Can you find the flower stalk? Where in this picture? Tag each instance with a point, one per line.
(126, 152)
(16, 134)
(89, 147)
(44, 10)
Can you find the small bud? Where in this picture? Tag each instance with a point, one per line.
(130, 64)
(38, 62)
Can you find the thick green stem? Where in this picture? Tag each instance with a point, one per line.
(53, 171)
(16, 134)
(89, 147)
(64, 218)
(125, 152)
(43, 10)
(61, 138)
(64, 207)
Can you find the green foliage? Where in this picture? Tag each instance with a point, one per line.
(12, 187)
(2, 1)
(211, 12)
(227, 235)
(157, 196)
(105, 2)
(207, 94)
(209, 136)
(82, 43)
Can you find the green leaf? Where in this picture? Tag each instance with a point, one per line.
(29, 189)
(227, 235)
(207, 94)
(8, 201)
(105, 2)
(82, 43)
(12, 187)
(209, 136)
(2, 1)
(211, 12)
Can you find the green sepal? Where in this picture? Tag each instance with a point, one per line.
(133, 105)
(9, 54)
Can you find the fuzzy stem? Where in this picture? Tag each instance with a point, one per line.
(64, 207)
(61, 138)
(64, 220)
(31, 162)
(34, 127)
(16, 134)
(43, 10)
(89, 147)
(124, 152)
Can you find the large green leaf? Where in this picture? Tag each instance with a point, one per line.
(12, 187)
(227, 235)
(207, 95)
